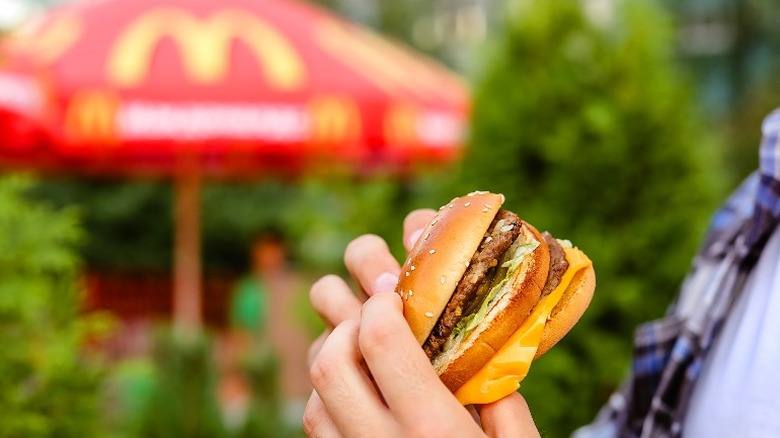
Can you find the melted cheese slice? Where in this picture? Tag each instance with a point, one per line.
(501, 376)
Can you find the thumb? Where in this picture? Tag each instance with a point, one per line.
(508, 417)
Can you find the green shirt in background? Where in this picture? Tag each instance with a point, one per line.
(249, 305)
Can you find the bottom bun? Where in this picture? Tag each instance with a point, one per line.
(569, 309)
(552, 318)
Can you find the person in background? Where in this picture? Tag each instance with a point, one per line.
(709, 368)
(264, 359)
(287, 335)
(247, 334)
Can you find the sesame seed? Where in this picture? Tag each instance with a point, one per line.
(434, 222)
(467, 204)
(452, 205)
(471, 194)
(468, 263)
(507, 228)
(429, 314)
(433, 251)
(407, 273)
(443, 279)
(488, 239)
(503, 198)
(485, 210)
(427, 235)
(411, 292)
(412, 267)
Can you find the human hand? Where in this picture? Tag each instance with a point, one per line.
(369, 373)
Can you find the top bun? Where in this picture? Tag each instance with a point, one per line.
(440, 257)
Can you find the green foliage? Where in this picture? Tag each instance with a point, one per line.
(182, 402)
(47, 386)
(174, 393)
(265, 414)
(587, 127)
(129, 225)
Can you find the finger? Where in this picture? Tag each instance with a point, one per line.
(401, 370)
(316, 346)
(346, 391)
(316, 421)
(414, 224)
(333, 300)
(508, 417)
(367, 258)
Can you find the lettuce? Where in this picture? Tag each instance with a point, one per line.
(511, 262)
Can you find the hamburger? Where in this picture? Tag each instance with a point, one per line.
(485, 293)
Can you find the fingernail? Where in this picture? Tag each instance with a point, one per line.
(414, 237)
(385, 283)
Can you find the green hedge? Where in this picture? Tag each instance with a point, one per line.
(48, 386)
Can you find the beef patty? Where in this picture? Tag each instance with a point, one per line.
(558, 264)
(503, 231)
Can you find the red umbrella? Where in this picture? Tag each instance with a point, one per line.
(216, 88)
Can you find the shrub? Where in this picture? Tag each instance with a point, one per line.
(48, 386)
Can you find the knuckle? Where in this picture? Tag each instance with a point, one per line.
(377, 335)
(315, 347)
(334, 357)
(432, 428)
(322, 370)
(312, 418)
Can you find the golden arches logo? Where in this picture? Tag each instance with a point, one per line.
(205, 47)
(90, 118)
(400, 125)
(334, 121)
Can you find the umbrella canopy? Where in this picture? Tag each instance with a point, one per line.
(129, 87)
(216, 88)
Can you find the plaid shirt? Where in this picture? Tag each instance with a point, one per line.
(669, 353)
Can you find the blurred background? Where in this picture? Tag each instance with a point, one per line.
(154, 279)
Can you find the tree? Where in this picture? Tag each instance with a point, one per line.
(48, 386)
(583, 121)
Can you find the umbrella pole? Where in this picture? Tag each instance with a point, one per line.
(187, 270)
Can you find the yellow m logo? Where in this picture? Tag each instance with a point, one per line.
(400, 126)
(205, 47)
(91, 118)
(335, 121)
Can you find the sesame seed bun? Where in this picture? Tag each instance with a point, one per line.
(438, 261)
